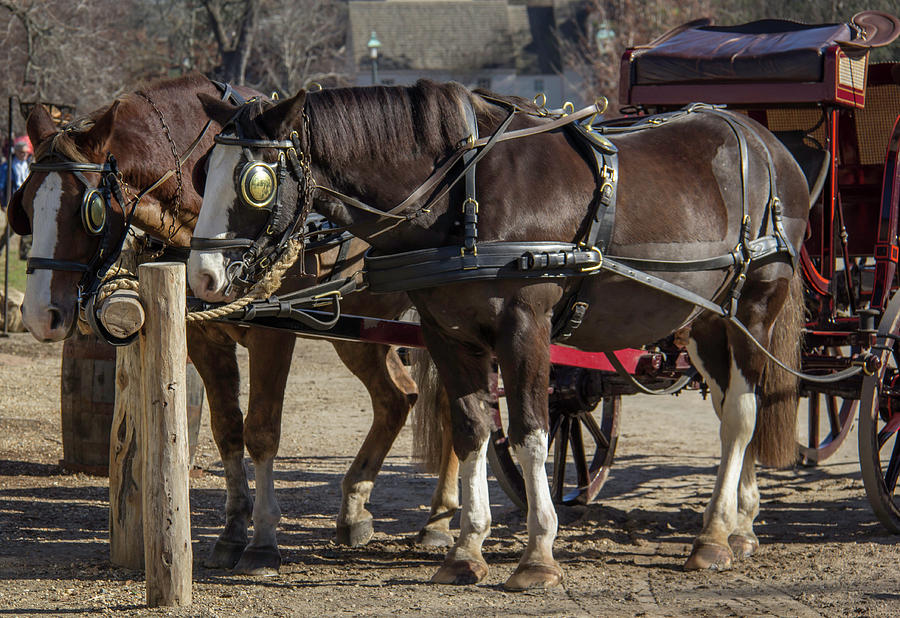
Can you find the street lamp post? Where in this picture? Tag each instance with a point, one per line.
(373, 46)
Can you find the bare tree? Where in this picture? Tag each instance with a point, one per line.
(594, 43)
(305, 42)
(233, 24)
(72, 51)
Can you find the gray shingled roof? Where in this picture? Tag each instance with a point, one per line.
(423, 35)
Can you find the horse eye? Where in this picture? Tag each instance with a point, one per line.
(258, 184)
(93, 212)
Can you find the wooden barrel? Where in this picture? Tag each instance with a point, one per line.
(87, 401)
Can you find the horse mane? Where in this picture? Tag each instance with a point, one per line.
(64, 143)
(381, 123)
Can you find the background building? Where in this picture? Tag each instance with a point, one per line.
(506, 46)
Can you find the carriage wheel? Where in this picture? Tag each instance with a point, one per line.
(588, 435)
(879, 421)
(838, 418)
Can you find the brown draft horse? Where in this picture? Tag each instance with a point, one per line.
(679, 198)
(49, 204)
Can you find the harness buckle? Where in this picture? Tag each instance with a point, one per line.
(608, 173)
(472, 201)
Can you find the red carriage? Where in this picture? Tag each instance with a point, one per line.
(840, 116)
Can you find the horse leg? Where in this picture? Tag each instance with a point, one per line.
(464, 372)
(215, 360)
(393, 393)
(738, 417)
(743, 540)
(524, 360)
(270, 362)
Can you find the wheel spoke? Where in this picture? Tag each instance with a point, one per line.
(578, 456)
(591, 423)
(883, 436)
(813, 439)
(556, 419)
(833, 416)
(559, 459)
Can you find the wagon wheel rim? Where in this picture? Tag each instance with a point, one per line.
(839, 413)
(879, 443)
(567, 432)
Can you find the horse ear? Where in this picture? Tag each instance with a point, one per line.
(16, 215)
(40, 125)
(218, 110)
(98, 138)
(279, 120)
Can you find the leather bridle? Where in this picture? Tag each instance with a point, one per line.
(110, 187)
(109, 248)
(283, 220)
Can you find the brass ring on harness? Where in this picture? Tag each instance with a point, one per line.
(568, 108)
(598, 265)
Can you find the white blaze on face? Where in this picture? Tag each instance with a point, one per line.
(206, 269)
(35, 309)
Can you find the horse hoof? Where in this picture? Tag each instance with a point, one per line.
(743, 545)
(461, 572)
(224, 555)
(434, 538)
(259, 561)
(355, 534)
(710, 556)
(531, 576)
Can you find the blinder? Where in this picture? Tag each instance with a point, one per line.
(258, 184)
(93, 212)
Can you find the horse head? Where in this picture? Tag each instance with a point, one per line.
(256, 174)
(63, 203)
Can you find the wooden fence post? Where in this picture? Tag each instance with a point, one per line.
(126, 527)
(168, 558)
(126, 530)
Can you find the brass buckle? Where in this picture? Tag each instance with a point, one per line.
(608, 173)
(469, 199)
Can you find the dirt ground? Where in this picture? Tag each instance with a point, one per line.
(823, 551)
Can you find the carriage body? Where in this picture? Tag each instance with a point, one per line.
(840, 117)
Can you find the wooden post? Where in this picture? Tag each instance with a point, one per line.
(167, 528)
(126, 530)
(126, 527)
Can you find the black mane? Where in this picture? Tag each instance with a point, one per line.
(383, 123)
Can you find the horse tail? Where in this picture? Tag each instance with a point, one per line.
(774, 440)
(428, 412)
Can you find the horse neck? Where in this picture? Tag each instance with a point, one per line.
(382, 187)
(160, 220)
(170, 212)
